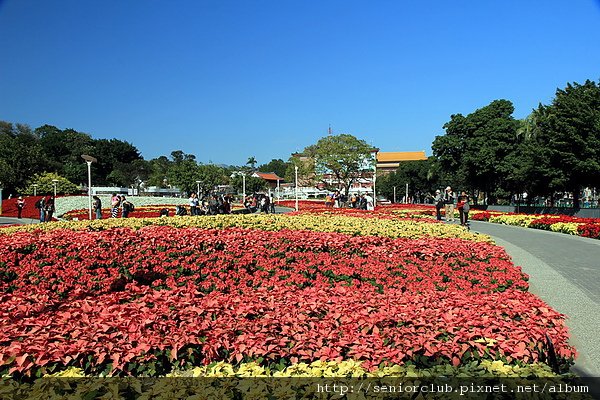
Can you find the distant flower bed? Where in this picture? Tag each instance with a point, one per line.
(9, 208)
(586, 227)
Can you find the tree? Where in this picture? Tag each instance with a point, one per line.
(183, 171)
(278, 166)
(251, 163)
(474, 153)
(568, 136)
(64, 149)
(46, 185)
(21, 155)
(210, 176)
(419, 175)
(343, 157)
(253, 184)
(111, 155)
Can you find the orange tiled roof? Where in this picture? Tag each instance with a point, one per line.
(396, 156)
(268, 176)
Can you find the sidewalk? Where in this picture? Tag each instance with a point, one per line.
(16, 221)
(564, 271)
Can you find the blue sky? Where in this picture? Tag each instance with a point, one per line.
(226, 80)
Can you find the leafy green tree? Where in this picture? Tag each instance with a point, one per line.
(252, 163)
(421, 179)
(253, 184)
(568, 138)
(46, 185)
(210, 176)
(344, 157)
(159, 168)
(475, 152)
(21, 155)
(278, 166)
(183, 171)
(64, 149)
(111, 155)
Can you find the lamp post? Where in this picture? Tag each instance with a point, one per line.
(54, 182)
(1, 198)
(296, 175)
(278, 191)
(198, 187)
(243, 175)
(35, 185)
(89, 160)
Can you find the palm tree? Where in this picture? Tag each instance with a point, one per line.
(251, 162)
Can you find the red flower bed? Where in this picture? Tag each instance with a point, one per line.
(9, 208)
(591, 230)
(144, 301)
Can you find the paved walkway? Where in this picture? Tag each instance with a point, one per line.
(12, 221)
(564, 271)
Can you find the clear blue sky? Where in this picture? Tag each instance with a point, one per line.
(225, 79)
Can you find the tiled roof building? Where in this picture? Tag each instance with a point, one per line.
(389, 161)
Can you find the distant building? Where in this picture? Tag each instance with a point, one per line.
(390, 161)
(272, 179)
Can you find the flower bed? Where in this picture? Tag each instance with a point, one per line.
(586, 227)
(145, 296)
(9, 208)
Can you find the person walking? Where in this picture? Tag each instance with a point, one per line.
(126, 207)
(194, 202)
(438, 200)
(97, 206)
(449, 198)
(271, 204)
(463, 206)
(370, 206)
(20, 206)
(40, 205)
(49, 209)
(115, 202)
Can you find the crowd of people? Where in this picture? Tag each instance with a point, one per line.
(359, 201)
(448, 201)
(211, 204)
(45, 205)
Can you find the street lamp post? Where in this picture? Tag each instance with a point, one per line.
(1, 198)
(296, 175)
(278, 191)
(238, 173)
(198, 187)
(54, 182)
(89, 160)
(35, 185)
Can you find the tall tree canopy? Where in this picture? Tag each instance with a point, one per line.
(474, 152)
(567, 139)
(344, 157)
(277, 166)
(421, 178)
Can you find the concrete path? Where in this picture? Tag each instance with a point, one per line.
(16, 221)
(564, 271)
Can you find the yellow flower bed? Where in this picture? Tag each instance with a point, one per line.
(517, 220)
(343, 374)
(565, 227)
(348, 369)
(322, 223)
